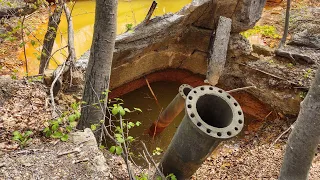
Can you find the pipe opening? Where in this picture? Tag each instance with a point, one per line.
(214, 111)
(186, 91)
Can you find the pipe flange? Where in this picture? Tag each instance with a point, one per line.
(214, 111)
(184, 89)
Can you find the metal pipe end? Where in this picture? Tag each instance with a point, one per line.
(184, 90)
(215, 112)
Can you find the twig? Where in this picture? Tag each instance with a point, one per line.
(150, 12)
(29, 151)
(154, 96)
(291, 127)
(24, 45)
(240, 89)
(155, 127)
(80, 160)
(125, 153)
(2, 165)
(75, 150)
(149, 164)
(154, 164)
(265, 118)
(71, 49)
(51, 88)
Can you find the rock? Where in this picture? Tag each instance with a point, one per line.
(301, 55)
(262, 50)
(305, 27)
(247, 13)
(238, 46)
(45, 161)
(306, 39)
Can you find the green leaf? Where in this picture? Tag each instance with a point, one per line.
(118, 150)
(119, 129)
(122, 112)
(118, 135)
(93, 127)
(138, 123)
(126, 109)
(120, 140)
(16, 133)
(115, 110)
(130, 138)
(46, 129)
(131, 124)
(33, 43)
(69, 128)
(77, 114)
(72, 118)
(112, 149)
(64, 138)
(137, 109)
(55, 127)
(28, 133)
(57, 135)
(73, 124)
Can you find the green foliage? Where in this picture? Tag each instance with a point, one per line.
(307, 74)
(22, 138)
(116, 149)
(118, 109)
(265, 30)
(129, 27)
(36, 78)
(290, 65)
(59, 128)
(271, 61)
(142, 176)
(171, 176)
(302, 95)
(157, 151)
(14, 74)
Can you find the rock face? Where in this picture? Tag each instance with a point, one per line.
(305, 27)
(304, 47)
(79, 158)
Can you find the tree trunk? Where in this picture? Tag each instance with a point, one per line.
(304, 137)
(286, 25)
(71, 49)
(49, 38)
(99, 65)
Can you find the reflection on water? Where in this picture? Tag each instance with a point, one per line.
(143, 99)
(129, 12)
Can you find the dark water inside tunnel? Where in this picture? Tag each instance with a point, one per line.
(142, 98)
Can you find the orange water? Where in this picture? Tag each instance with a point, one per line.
(129, 12)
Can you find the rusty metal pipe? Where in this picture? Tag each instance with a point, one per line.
(212, 115)
(171, 111)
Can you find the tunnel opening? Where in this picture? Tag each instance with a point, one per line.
(214, 111)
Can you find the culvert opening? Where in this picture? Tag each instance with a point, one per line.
(214, 111)
(186, 91)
